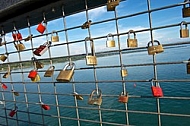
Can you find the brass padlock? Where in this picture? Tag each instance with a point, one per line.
(66, 74)
(123, 97)
(111, 4)
(78, 97)
(49, 72)
(124, 72)
(132, 42)
(184, 33)
(3, 57)
(185, 9)
(97, 100)
(110, 43)
(20, 46)
(86, 24)
(37, 64)
(36, 79)
(28, 38)
(188, 67)
(154, 49)
(54, 38)
(90, 59)
(7, 74)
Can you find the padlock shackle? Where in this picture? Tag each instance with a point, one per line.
(131, 31)
(91, 44)
(69, 64)
(153, 41)
(95, 90)
(110, 35)
(54, 31)
(183, 23)
(124, 93)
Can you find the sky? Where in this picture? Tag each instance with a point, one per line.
(159, 18)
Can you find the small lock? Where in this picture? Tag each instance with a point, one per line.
(32, 74)
(66, 74)
(155, 48)
(124, 72)
(185, 9)
(41, 27)
(111, 4)
(132, 42)
(37, 64)
(28, 38)
(15, 93)
(3, 57)
(19, 46)
(4, 86)
(184, 33)
(110, 42)
(16, 35)
(13, 111)
(86, 24)
(123, 97)
(188, 67)
(36, 78)
(54, 38)
(7, 74)
(44, 106)
(156, 90)
(78, 97)
(2, 43)
(42, 49)
(97, 100)
(49, 72)
(90, 59)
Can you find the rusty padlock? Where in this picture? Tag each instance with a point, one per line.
(4, 86)
(111, 4)
(132, 42)
(124, 71)
(123, 97)
(78, 97)
(13, 111)
(45, 106)
(19, 46)
(66, 74)
(156, 90)
(97, 100)
(32, 73)
(41, 27)
(110, 42)
(86, 24)
(7, 74)
(90, 59)
(184, 33)
(42, 49)
(3, 57)
(155, 48)
(185, 9)
(54, 38)
(49, 72)
(16, 35)
(37, 64)
(36, 78)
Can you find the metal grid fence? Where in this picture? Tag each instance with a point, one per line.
(46, 101)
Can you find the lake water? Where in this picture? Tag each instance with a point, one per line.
(113, 89)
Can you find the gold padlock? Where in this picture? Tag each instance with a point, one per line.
(110, 43)
(37, 63)
(90, 59)
(28, 38)
(186, 10)
(155, 48)
(132, 42)
(3, 57)
(20, 46)
(111, 4)
(36, 79)
(124, 72)
(184, 33)
(95, 100)
(49, 72)
(78, 97)
(54, 38)
(188, 67)
(66, 74)
(86, 24)
(7, 74)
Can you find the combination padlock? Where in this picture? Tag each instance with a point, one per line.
(32, 73)
(78, 97)
(3, 57)
(13, 111)
(156, 90)
(110, 42)
(41, 27)
(154, 49)
(188, 67)
(132, 42)
(86, 24)
(124, 71)
(185, 9)
(90, 59)
(16, 35)
(123, 97)
(95, 100)
(111, 4)
(49, 72)
(36, 78)
(4, 86)
(66, 74)
(42, 49)
(54, 38)
(184, 33)
(44, 106)
(20, 46)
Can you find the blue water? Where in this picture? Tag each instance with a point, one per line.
(171, 72)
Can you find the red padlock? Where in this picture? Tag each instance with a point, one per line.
(32, 74)
(123, 97)
(16, 35)
(42, 49)
(41, 28)
(44, 106)
(13, 111)
(4, 86)
(156, 90)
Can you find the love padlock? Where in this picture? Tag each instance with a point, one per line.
(32, 73)
(13, 111)
(154, 49)
(54, 38)
(49, 72)
(156, 90)
(16, 35)
(123, 97)
(4, 86)
(44, 106)
(36, 78)
(3, 57)
(78, 97)
(86, 24)
(132, 42)
(15, 93)
(111, 4)
(185, 9)
(37, 64)
(188, 67)
(90, 59)
(20, 46)
(42, 49)
(41, 27)
(124, 72)
(66, 74)
(184, 33)
(97, 100)
(110, 42)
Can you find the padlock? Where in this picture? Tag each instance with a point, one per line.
(54, 38)
(132, 42)
(7, 74)
(184, 33)
(28, 38)
(156, 90)
(20, 46)
(37, 64)
(13, 111)
(123, 97)
(44, 106)
(1, 42)
(188, 67)
(66, 74)
(32, 73)
(36, 78)
(4, 86)
(15, 93)
(49, 72)
(124, 72)
(111, 4)
(78, 97)
(42, 49)
(90, 59)
(185, 9)
(3, 57)
(86, 24)
(41, 27)
(16, 35)
(95, 100)
(110, 43)
(155, 48)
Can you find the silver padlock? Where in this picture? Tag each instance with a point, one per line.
(97, 100)
(184, 33)
(54, 38)
(90, 59)
(110, 42)
(132, 42)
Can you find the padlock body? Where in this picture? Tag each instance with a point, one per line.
(95, 101)
(4, 86)
(17, 36)
(111, 5)
(124, 72)
(123, 98)
(65, 75)
(48, 73)
(46, 107)
(20, 47)
(12, 113)
(184, 33)
(91, 60)
(32, 74)
(39, 65)
(36, 78)
(41, 28)
(3, 58)
(16, 93)
(186, 12)
(155, 49)
(157, 91)
(6, 75)
(132, 43)
(188, 68)
(55, 38)
(110, 43)
(40, 50)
